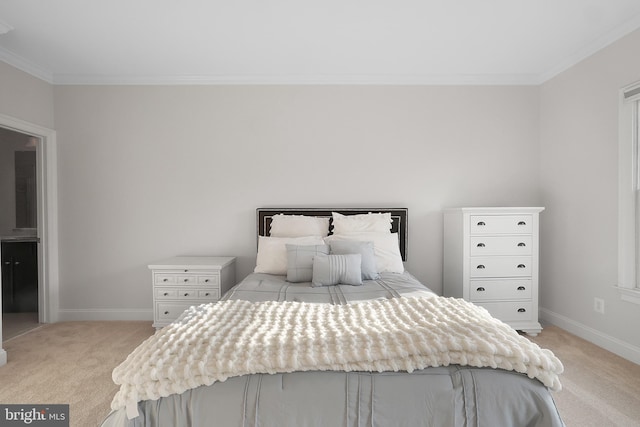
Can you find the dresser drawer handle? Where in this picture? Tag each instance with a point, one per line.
(186, 294)
(165, 280)
(522, 266)
(480, 289)
(166, 294)
(481, 224)
(206, 280)
(522, 223)
(521, 310)
(480, 245)
(521, 245)
(166, 312)
(480, 267)
(185, 280)
(207, 294)
(521, 288)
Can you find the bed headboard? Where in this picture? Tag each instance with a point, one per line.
(398, 216)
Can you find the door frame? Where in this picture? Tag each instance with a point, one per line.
(47, 177)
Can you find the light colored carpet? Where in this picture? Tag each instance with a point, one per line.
(600, 389)
(71, 363)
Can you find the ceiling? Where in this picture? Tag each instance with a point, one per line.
(307, 42)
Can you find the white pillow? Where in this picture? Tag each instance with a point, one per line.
(298, 226)
(373, 222)
(386, 247)
(272, 252)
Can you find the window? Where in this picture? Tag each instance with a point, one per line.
(629, 195)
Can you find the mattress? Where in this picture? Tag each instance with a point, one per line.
(453, 395)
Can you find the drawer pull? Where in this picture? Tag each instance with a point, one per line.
(166, 312)
(480, 267)
(480, 245)
(521, 310)
(521, 288)
(206, 280)
(185, 280)
(186, 271)
(522, 266)
(166, 294)
(165, 280)
(480, 289)
(521, 245)
(481, 224)
(186, 294)
(522, 223)
(207, 294)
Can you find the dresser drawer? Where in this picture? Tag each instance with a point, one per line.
(501, 224)
(513, 311)
(510, 289)
(170, 311)
(500, 266)
(501, 245)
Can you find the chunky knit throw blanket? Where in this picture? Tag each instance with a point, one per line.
(213, 342)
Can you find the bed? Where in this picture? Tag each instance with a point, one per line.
(299, 347)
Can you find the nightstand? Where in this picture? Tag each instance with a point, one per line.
(182, 282)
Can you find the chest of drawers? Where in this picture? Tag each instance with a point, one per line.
(181, 282)
(491, 259)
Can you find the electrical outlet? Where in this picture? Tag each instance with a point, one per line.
(598, 305)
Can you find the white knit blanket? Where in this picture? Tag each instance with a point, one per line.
(216, 341)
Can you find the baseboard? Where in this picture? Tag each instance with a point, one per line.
(3, 357)
(72, 315)
(612, 344)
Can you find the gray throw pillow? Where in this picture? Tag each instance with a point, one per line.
(300, 261)
(365, 249)
(329, 270)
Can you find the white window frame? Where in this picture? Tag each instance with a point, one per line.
(629, 194)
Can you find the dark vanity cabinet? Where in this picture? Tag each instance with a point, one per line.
(19, 277)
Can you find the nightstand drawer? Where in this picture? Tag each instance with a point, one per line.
(164, 279)
(509, 311)
(209, 279)
(500, 266)
(502, 245)
(170, 311)
(186, 279)
(202, 294)
(501, 224)
(510, 289)
(209, 294)
(166, 293)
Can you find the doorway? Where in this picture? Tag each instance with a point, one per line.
(19, 237)
(47, 219)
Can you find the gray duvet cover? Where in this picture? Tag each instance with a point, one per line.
(443, 396)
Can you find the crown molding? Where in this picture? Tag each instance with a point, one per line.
(328, 79)
(22, 64)
(596, 45)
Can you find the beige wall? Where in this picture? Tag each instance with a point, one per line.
(149, 172)
(579, 182)
(25, 97)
